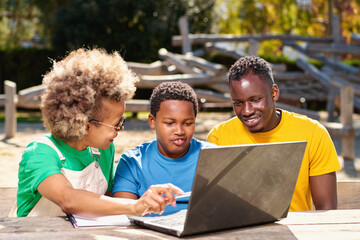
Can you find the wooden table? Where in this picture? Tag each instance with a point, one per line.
(334, 224)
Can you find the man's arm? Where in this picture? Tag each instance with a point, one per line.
(323, 191)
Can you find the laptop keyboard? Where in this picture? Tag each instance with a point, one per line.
(173, 220)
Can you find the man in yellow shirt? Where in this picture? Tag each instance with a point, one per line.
(253, 94)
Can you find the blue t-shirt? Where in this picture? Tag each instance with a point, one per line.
(143, 166)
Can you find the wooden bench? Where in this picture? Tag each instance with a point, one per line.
(348, 192)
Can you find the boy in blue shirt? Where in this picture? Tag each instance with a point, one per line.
(172, 156)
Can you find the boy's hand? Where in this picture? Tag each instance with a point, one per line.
(155, 199)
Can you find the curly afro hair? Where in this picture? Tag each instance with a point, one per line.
(75, 87)
(251, 64)
(172, 90)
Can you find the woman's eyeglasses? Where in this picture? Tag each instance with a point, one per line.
(118, 127)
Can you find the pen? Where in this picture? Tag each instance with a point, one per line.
(72, 220)
(185, 194)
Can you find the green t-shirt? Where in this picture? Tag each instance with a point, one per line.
(40, 161)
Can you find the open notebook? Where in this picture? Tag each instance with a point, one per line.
(235, 186)
(114, 220)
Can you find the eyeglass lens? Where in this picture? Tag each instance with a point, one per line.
(121, 123)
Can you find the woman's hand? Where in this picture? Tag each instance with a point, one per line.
(155, 199)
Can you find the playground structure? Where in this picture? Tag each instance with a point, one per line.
(333, 82)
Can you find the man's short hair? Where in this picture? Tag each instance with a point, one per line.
(251, 65)
(172, 90)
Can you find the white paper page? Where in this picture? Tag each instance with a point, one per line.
(114, 220)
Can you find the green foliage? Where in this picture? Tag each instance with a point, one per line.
(277, 59)
(18, 22)
(29, 116)
(286, 17)
(4, 30)
(352, 62)
(24, 66)
(138, 29)
(253, 17)
(276, 16)
(273, 47)
(318, 64)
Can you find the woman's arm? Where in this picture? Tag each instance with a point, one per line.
(80, 202)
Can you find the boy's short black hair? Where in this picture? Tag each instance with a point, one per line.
(172, 90)
(251, 64)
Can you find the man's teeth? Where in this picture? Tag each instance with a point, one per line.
(252, 120)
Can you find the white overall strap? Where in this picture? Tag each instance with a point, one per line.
(91, 178)
(13, 210)
(48, 142)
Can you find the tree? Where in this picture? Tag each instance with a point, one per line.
(348, 12)
(4, 29)
(287, 17)
(138, 29)
(18, 20)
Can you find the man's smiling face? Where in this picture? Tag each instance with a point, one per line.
(254, 103)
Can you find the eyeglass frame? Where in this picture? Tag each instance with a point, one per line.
(117, 128)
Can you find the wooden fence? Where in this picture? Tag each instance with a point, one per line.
(334, 81)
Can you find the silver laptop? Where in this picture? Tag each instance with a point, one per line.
(235, 186)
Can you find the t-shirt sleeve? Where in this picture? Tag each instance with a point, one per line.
(39, 162)
(323, 153)
(212, 136)
(124, 180)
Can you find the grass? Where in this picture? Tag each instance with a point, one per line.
(139, 115)
(25, 116)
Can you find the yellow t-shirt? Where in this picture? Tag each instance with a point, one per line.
(320, 155)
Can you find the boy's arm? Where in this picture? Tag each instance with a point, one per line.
(125, 183)
(125, 195)
(323, 191)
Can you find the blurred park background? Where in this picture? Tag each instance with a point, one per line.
(32, 32)
(287, 33)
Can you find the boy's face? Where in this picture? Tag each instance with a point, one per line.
(174, 125)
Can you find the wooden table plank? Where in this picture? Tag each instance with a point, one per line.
(54, 228)
(334, 224)
(326, 231)
(298, 232)
(322, 217)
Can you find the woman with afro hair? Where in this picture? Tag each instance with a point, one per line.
(71, 170)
